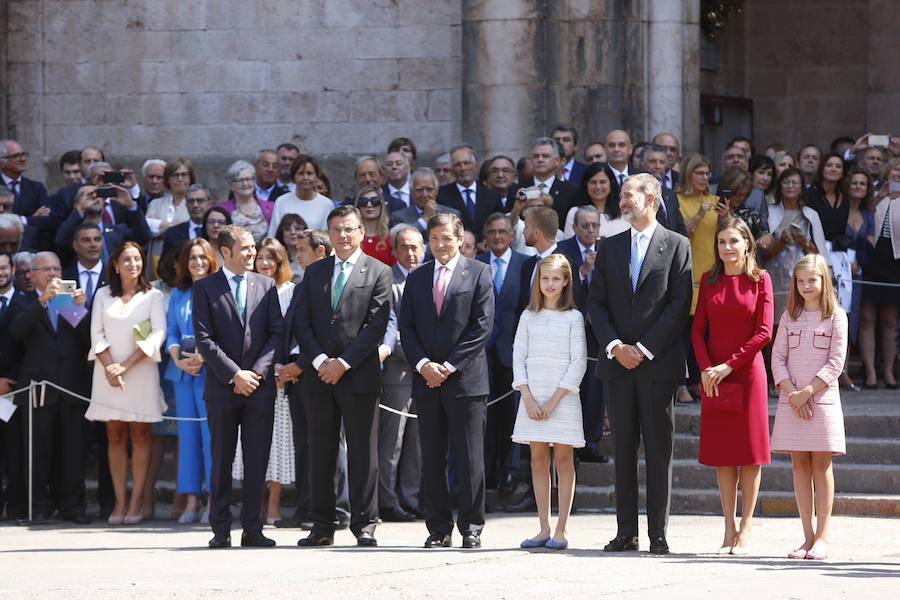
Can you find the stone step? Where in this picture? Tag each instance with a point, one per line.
(876, 451)
(689, 474)
(875, 423)
(771, 503)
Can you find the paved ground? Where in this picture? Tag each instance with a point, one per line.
(162, 560)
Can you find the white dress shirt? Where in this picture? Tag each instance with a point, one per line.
(568, 170)
(451, 266)
(541, 256)
(547, 182)
(352, 260)
(403, 191)
(624, 173)
(97, 270)
(643, 245)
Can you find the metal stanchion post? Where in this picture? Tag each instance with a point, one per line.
(31, 400)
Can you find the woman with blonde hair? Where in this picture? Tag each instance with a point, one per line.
(376, 220)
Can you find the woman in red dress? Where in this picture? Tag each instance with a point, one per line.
(733, 323)
(376, 218)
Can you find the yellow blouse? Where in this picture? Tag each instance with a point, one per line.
(703, 241)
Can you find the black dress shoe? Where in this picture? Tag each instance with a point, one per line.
(439, 540)
(366, 540)
(396, 515)
(508, 485)
(415, 511)
(76, 518)
(341, 525)
(622, 544)
(471, 540)
(658, 545)
(256, 540)
(314, 539)
(592, 455)
(220, 540)
(105, 511)
(525, 504)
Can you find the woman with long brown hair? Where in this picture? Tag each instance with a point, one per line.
(376, 218)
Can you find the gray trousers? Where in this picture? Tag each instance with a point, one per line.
(399, 456)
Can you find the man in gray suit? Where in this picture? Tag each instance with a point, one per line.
(424, 205)
(399, 457)
(639, 302)
(342, 315)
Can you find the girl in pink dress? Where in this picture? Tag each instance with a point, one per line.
(807, 359)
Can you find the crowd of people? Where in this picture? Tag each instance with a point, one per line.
(259, 333)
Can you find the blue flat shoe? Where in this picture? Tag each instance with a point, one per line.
(554, 545)
(533, 543)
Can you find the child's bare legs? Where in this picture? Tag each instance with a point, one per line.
(803, 490)
(540, 476)
(823, 477)
(750, 476)
(728, 483)
(565, 472)
(274, 511)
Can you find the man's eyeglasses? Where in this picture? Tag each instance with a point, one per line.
(344, 230)
(17, 156)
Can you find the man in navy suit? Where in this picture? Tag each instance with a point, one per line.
(239, 329)
(501, 177)
(673, 155)
(545, 158)
(31, 202)
(396, 191)
(506, 272)
(268, 168)
(424, 202)
(572, 169)
(640, 300)
(341, 318)
(581, 250)
(669, 214)
(445, 322)
(473, 200)
(198, 202)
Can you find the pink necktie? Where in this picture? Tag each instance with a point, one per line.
(440, 288)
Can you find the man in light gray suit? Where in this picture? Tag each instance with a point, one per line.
(399, 457)
(424, 205)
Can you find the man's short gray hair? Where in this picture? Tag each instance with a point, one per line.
(235, 169)
(459, 147)
(21, 259)
(363, 159)
(9, 221)
(587, 209)
(426, 172)
(152, 162)
(549, 141)
(443, 159)
(655, 149)
(403, 228)
(198, 187)
(648, 184)
(97, 166)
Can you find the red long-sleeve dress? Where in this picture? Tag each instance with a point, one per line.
(732, 325)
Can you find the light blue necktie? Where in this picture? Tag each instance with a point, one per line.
(339, 286)
(635, 261)
(89, 288)
(240, 294)
(587, 253)
(498, 275)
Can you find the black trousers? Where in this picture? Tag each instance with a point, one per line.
(641, 408)
(300, 434)
(255, 416)
(593, 400)
(501, 417)
(461, 420)
(326, 407)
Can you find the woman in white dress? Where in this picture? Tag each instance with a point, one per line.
(549, 362)
(128, 325)
(306, 201)
(272, 260)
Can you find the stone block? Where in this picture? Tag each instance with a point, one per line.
(292, 15)
(176, 15)
(62, 109)
(490, 10)
(359, 13)
(885, 77)
(253, 107)
(24, 78)
(504, 51)
(236, 75)
(23, 16)
(73, 78)
(25, 109)
(69, 15)
(160, 109)
(202, 45)
(444, 105)
(205, 108)
(296, 75)
(881, 113)
(61, 138)
(72, 47)
(123, 45)
(411, 12)
(244, 15)
(403, 42)
(354, 74)
(429, 74)
(23, 46)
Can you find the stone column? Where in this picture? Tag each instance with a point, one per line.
(665, 56)
(690, 94)
(502, 74)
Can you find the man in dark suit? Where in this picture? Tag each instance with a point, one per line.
(572, 169)
(673, 156)
(198, 202)
(396, 190)
(618, 155)
(399, 457)
(639, 303)
(473, 200)
(445, 322)
(268, 168)
(31, 200)
(239, 329)
(506, 272)
(121, 220)
(54, 350)
(581, 250)
(669, 214)
(545, 158)
(501, 177)
(424, 202)
(341, 318)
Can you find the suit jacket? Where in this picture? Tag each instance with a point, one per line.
(572, 250)
(38, 233)
(505, 305)
(671, 218)
(71, 274)
(11, 348)
(577, 173)
(130, 226)
(458, 336)
(179, 323)
(393, 204)
(410, 216)
(178, 234)
(578, 292)
(354, 331)
(564, 194)
(487, 202)
(228, 345)
(59, 356)
(654, 315)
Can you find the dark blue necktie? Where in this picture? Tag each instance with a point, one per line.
(470, 204)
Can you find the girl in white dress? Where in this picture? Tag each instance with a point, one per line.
(549, 361)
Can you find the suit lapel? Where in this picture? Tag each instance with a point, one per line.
(460, 273)
(654, 252)
(225, 288)
(357, 273)
(428, 268)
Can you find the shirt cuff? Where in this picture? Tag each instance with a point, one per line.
(135, 191)
(317, 361)
(385, 347)
(610, 346)
(450, 367)
(646, 352)
(423, 223)
(421, 364)
(24, 220)
(295, 350)
(345, 363)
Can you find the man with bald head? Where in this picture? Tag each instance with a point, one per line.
(474, 201)
(268, 168)
(618, 154)
(396, 189)
(673, 155)
(367, 171)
